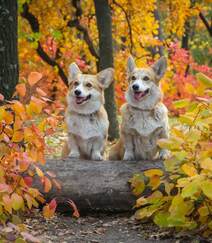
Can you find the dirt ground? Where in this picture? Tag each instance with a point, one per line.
(102, 229)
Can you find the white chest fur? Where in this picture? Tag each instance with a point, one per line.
(87, 126)
(144, 122)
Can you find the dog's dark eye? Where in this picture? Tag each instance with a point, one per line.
(89, 85)
(145, 78)
(133, 77)
(76, 83)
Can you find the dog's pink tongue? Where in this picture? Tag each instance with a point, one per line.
(80, 100)
(138, 95)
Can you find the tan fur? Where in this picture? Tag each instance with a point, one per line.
(145, 118)
(87, 122)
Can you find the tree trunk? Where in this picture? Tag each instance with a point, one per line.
(8, 47)
(159, 49)
(104, 25)
(96, 186)
(185, 39)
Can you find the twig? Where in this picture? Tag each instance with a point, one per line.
(128, 23)
(81, 28)
(44, 56)
(204, 20)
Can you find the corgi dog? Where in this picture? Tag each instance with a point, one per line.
(144, 116)
(86, 118)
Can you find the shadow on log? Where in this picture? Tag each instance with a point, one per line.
(96, 186)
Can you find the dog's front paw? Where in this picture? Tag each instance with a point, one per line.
(128, 156)
(164, 154)
(96, 156)
(74, 155)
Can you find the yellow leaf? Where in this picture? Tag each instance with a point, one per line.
(17, 201)
(203, 211)
(39, 171)
(8, 117)
(153, 172)
(206, 187)
(189, 170)
(206, 164)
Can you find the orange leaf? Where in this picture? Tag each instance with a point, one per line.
(49, 209)
(7, 203)
(57, 184)
(47, 184)
(74, 207)
(17, 136)
(19, 109)
(34, 77)
(41, 92)
(21, 89)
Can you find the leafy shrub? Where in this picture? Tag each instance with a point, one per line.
(22, 150)
(181, 197)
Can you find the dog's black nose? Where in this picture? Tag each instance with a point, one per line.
(77, 92)
(135, 87)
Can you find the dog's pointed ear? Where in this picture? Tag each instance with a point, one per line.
(105, 77)
(159, 68)
(73, 71)
(130, 64)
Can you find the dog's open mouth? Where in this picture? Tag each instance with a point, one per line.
(80, 100)
(140, 94)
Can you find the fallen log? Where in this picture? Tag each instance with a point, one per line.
(96, 186)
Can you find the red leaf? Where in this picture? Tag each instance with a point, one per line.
(53, 204)
(1, 97)
(28, 181)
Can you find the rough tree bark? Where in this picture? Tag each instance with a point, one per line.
(96, 186)
(104, 25)
(158, 49)
(8, 47)
(185, 39)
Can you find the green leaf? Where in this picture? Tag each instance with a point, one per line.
(161, 219)
(57, 34)
(204, 80)
(137, 183)
(190, 189)
(17, 201)
(181, 103)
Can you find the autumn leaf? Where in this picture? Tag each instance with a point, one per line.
(74, 207)
(17, 201)
(47, 184)
(34, 77)
(21, 89)
(39, 171)
(1, 97)
(17, 136)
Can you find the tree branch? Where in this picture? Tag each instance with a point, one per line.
(207, 25)
(81, 28)
(44, 56)
(128, 23)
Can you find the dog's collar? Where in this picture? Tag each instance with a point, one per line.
(139, 109)
(83, 114)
